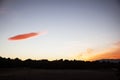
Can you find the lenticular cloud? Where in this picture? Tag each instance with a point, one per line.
(26, 36)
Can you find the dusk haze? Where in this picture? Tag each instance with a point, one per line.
(59, 39)
(60, 29)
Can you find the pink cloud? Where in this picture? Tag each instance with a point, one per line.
(26, 35)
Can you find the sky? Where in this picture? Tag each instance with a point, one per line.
(74, 29)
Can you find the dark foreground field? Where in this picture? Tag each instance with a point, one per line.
(41, 74)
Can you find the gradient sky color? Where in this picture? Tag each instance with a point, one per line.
(73, 26)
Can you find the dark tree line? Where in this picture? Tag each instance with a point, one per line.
(57, 64)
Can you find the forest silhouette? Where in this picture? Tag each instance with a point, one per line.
(59, 64)
(17, 69)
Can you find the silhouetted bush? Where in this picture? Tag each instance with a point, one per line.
(58, 64)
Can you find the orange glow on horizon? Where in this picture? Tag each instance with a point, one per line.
(109, 53)
(105, 56)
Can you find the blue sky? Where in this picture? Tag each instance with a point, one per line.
(73, 26)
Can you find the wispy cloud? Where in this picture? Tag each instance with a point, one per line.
(110, 53)
(84, 55)
(26, 35)
(89, 50)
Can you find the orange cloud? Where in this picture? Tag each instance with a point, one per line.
(84, 55)
(111, 53)
(26, 36)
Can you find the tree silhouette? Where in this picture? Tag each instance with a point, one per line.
(58, 64)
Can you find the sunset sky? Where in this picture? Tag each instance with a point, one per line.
(74, 29)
